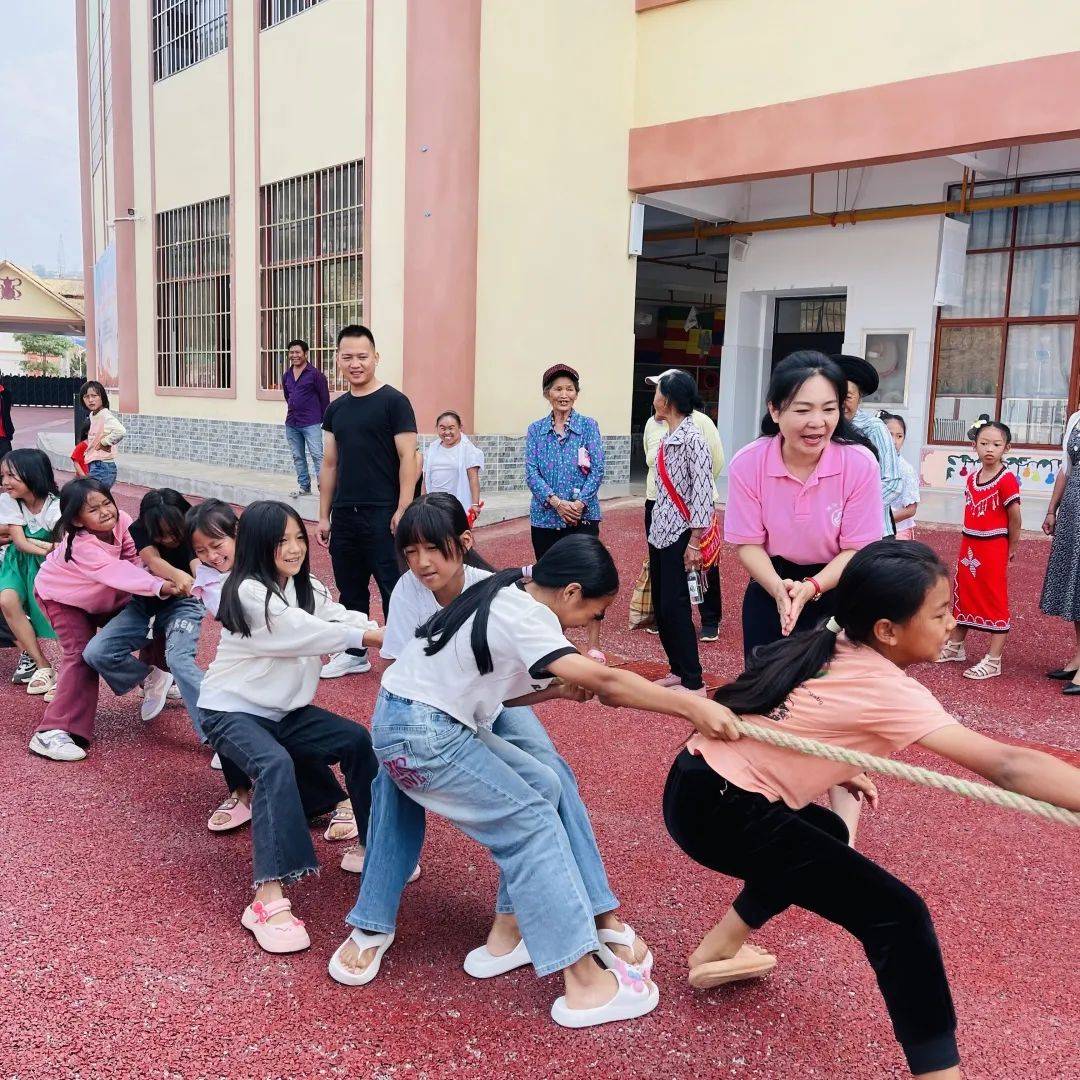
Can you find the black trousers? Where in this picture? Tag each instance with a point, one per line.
(671, 603)
(319, 788)
(543, 539)
(802, 857)
(710, 609)
(5, 446)
(761, 620)
(362, 547)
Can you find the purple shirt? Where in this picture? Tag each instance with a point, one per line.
(307, 397)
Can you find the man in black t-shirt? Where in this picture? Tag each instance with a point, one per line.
(367, 479)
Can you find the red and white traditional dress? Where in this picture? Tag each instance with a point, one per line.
(981, 585)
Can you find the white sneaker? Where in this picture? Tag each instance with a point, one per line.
(155, 692)
(344, 663)
(215, 762)
(56, 744)
(174, 693)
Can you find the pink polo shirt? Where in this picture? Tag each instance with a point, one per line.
(861, 701)
(837, 509)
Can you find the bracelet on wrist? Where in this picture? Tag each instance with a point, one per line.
(813, 583)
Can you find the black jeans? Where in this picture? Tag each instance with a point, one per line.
(362, 547)
(761, 620)
(802, 857)
(319, 789)
(710, 609)
(543, 539)
(671, 604)
(264, 750)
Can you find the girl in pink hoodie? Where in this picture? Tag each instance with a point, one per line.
(82, 583)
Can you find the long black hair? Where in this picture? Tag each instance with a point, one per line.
(439, 519)
(73, 496)
(888, 579)
(262, 527)
(579, 559)
(787, 380)
(93, 384)
(34, 469)
(212, 518)
(162, 512)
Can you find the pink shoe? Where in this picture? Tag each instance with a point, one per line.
(275, 938)
(668, 680)
(597, 655)
(699, 692)
(237, 812)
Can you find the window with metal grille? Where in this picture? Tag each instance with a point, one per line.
(194, 331)
(187, 31)
(275, 11)
(311, 258)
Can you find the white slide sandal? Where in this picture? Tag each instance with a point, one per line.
(613, 937)
(483, 964)
(635, 997)
(363, 941)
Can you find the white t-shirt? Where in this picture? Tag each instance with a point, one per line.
(208, 585)
(524, 637)
(411, 605)
(447, 468)
(14, 512)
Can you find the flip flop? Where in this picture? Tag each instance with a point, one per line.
(635, 997)
(239, 814)
(363, 940)
(342, 815)
(627, 936)
(750, 962)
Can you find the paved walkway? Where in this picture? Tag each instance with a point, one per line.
(124, 957)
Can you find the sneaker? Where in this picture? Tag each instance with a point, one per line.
(25, 671)
(57, 745)
(344, 663)
(215, 762)
(155, 692)
(174, 693)
(710, 633)
(299, 493)
(651, 630)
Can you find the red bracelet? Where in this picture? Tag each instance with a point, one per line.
(817, 588)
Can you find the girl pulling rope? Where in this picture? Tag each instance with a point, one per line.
(745, 808)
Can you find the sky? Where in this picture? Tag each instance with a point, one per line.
(39, 148)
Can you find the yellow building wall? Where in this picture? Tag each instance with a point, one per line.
(312, 78)
(713, 56)
(554, 282)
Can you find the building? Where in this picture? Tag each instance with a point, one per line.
(469, 178)
(30, 304)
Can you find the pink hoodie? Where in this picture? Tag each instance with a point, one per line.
(100, 576)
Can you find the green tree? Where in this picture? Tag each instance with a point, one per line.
(43, 352)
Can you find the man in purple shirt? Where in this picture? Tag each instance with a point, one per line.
(307, 397)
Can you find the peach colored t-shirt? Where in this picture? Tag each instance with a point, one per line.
(861, 701)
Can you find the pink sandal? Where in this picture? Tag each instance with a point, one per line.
(238, 813)
(342, 815)
(275, 937)
(597, 655)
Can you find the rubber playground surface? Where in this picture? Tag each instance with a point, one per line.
(123, 953)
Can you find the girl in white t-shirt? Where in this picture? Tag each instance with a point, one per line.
(906, 504)
(500, 643)
(30, 508)
(453, 464)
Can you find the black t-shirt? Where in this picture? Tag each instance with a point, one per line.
(180, 557)
(364, 429)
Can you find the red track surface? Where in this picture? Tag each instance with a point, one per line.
(123, 955)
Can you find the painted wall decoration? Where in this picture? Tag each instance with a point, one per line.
(949, 467)
(107, 355)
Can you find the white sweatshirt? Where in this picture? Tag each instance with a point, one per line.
(276, 669)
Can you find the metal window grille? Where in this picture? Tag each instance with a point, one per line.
(187, 31)
(275, 11)
(311, 257)
(194, 329)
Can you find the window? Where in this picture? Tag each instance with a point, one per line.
(809, 315)
(187, 31)
(275, 11)
(194, 331)
(1007, 348)
(311, 254)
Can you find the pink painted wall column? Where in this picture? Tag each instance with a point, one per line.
(83, 74)
(442, 180)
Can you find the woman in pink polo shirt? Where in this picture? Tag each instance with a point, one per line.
(802, 499)
(747, 809)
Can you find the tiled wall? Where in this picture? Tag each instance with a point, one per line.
(262, 446)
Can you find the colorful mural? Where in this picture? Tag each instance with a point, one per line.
(949, 467)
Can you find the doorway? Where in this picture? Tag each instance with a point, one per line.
(808, 322)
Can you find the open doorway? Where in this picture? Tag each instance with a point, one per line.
(808, 322)
(678, 319)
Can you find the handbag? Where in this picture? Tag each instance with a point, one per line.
(712, 538)
(642, 613)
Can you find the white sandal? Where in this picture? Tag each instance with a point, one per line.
(483, 964)
(363, 940)
(952, 651)
(42, 681)
(626, 937)
(353, 863)
(635, 997)
(989, 667)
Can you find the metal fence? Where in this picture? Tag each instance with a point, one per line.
(53, 391)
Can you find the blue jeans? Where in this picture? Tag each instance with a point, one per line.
(179, 619)
(303, 441)
(103, 471)
(501, 796)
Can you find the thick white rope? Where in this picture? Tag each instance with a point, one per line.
(982, 792)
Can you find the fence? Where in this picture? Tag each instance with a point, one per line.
(48, 390)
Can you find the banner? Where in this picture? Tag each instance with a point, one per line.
(107, 351)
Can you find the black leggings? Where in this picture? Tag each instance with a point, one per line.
(802, 857)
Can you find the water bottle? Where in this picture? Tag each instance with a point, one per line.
(696, 585)
(575, 494)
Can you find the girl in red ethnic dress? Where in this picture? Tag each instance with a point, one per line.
(988, 545)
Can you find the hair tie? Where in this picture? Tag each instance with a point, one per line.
(833, 626)
(526, 571)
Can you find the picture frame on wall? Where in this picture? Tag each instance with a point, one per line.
(890, 353)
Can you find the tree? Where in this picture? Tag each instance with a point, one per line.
(43, 353)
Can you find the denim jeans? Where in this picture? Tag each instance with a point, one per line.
(495, 793)
(303, 441)
(103, 471)
(110, 653)
(264, 749)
